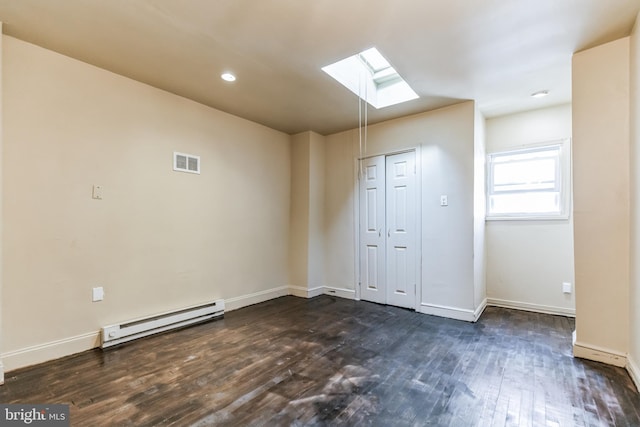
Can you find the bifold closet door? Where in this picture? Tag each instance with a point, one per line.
(401, 213)
(372, 230)
(388, 218)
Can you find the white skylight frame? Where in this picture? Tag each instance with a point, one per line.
(371, 77)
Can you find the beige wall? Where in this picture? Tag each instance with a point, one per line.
(307, 214)
(634, 301)
(446, 141)
(299, 232)
(339, 207)
(479, 210)
(316, 211)
(159, 239)
(529, 260)
(1, 210)
(601, 200)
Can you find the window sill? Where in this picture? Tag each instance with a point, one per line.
(527, 217)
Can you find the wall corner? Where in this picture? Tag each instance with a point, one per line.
(1, 199)
(479, 212)
(634, 301)
(602, 219)
(634, 372)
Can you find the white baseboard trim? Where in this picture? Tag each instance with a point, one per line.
(48, 351)
(64, 347)
(598, 354)
(478, 311)
(340, 292)
(634, 372)
(450, 312)
(241, 301)
(302, 292)
(55, 349)
(537, 308)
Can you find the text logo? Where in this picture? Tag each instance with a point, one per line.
(34, 415)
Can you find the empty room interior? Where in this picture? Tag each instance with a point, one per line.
(321, 213)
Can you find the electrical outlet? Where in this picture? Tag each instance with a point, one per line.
(97, 192)
(566, 287)
(97, 294)
(444, 200)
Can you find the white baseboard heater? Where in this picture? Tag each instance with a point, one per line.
(134, 329)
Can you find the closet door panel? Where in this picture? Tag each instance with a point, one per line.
(401, 229)
(372, 230)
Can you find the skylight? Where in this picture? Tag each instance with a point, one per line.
(374, 60)
(370, 76)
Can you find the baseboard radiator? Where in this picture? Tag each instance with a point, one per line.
(124, 332)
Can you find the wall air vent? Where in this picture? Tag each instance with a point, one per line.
(186, 162)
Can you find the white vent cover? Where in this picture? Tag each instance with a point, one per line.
(186, 162)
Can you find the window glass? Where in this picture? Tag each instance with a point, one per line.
(527, 183)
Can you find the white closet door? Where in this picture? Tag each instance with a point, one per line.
(372, 230)
(401, 230)
(388, 215)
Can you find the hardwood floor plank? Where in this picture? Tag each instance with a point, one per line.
(329, 361)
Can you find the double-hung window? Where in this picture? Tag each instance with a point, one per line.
(529, 183)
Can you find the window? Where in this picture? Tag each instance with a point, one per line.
(530, 183)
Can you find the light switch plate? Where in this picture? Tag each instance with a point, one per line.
(98, 294)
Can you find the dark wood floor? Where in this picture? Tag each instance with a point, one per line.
(330, 361)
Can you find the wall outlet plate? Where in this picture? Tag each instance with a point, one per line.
(97, 192)
(566, 287)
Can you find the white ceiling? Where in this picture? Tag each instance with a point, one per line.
(497, 52)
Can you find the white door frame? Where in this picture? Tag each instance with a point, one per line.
(356, 219)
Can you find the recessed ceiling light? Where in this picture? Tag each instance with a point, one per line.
(540, 94)
(228, 77)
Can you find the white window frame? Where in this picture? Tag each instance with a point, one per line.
(563, 182)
